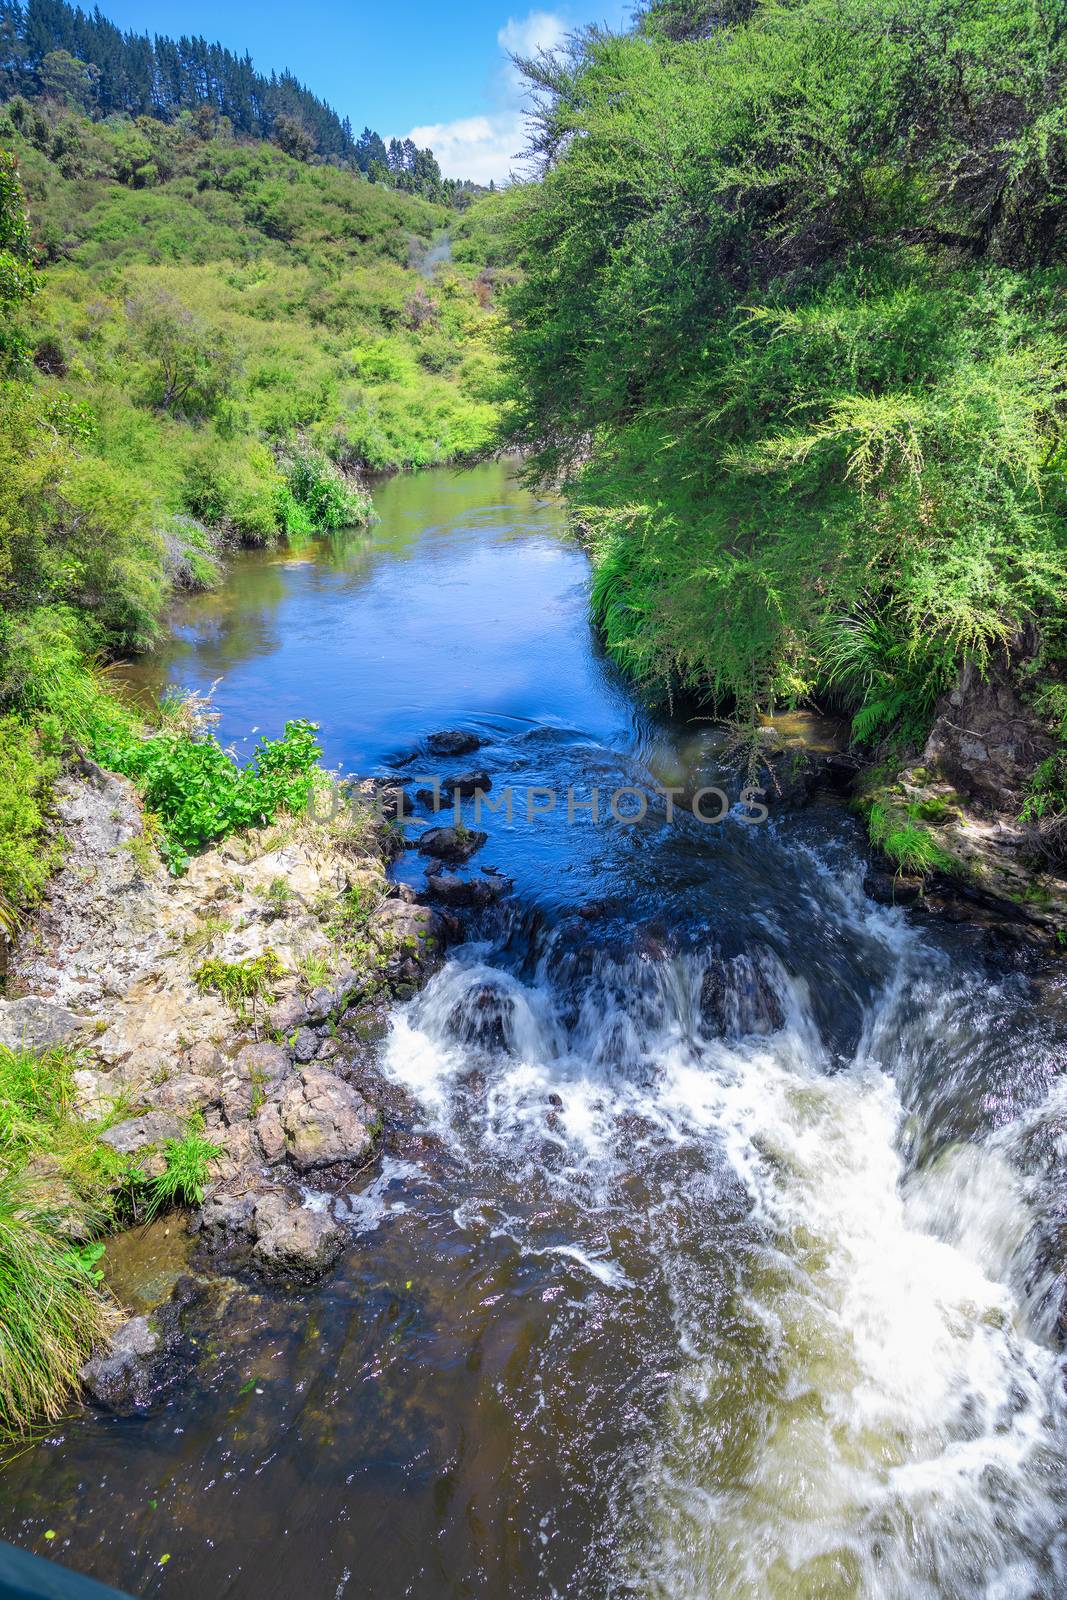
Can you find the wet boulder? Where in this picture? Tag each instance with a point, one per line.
(293, 1240)
(737, 999)
(466, 893)
(453, 742)
(325, 1121)
(451, 844)
(121, 1374)
(408, 938)
(484, 1018)
(225, 1216)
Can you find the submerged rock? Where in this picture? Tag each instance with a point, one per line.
(453, 742)
(737, 999)
(450, 844)
(121, 1374)
(484, 1018)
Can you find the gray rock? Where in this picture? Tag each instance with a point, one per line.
(120, 1374)
(305, 1045)
(452, 742)
(293, 1239)
(136, 1133)
(289, 1013)
(270, 1133)
(448, 844)
(325, 1121)
(35, 1024)
(203, 1060)
(252, 1076)
(226, 1214)
(187, 1093)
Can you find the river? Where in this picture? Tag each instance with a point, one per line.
(711, 1253)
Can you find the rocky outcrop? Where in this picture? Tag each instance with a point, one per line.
(35, 1024)
(116, 961)
(966, 793)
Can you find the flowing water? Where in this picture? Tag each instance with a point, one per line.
(713, 1254)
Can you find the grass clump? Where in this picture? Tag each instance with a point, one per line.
(244, 985)
(908, 845)
(58, 1186)
(314, 970)
(52, 1312)
(186, 1172)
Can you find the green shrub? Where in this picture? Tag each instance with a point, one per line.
(29, 852)
(323, 493)
(805, 383)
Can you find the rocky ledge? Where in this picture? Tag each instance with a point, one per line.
(244, 994)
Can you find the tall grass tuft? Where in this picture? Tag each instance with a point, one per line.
(52, 1313)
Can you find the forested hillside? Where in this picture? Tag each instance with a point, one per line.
(206, 342)
(792, 331)
(56, 52)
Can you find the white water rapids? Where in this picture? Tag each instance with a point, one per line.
(864, 1397)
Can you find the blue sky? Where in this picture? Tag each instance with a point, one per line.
(435, 71)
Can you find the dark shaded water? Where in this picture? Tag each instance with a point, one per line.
(724, 1267)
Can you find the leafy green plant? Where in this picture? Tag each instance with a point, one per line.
(314, 970)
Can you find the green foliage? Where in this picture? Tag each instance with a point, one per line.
(27, 854)
(40, 1129)
(909, 846)
(51, 1313)
(792, 329)
(186, 1172)
(321, 492)
(17, 278)
(244, 985)
(200, 793)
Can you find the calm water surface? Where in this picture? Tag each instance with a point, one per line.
(712, 1255)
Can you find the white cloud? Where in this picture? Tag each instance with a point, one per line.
(525, 36)
(487, 145)
(479, 148)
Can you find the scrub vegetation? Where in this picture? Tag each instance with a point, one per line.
(792, 330)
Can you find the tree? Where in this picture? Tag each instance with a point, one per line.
(290, 135)
(68, 80)
(370, 148)
(191, 366)
(18, 280)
